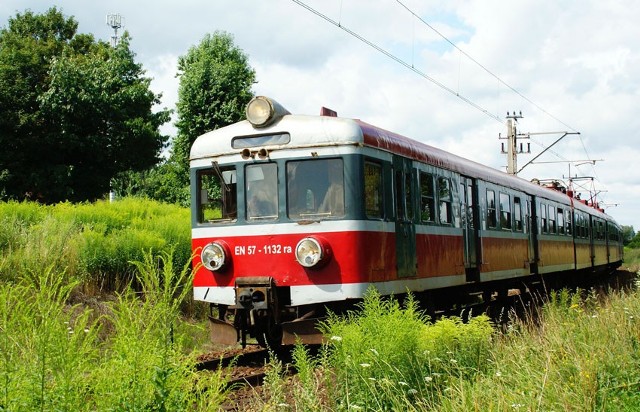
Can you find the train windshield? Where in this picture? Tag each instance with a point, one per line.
(315, 189)
(261, 188)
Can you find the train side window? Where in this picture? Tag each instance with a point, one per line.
(600, 230)
(567, 219)
(217, 192)
(505, 211)
(517, 213)
(373, 190)
(427, 198)
(491, 209)
(543, 218)
(552, 219)
(444, 196)
(560, 221)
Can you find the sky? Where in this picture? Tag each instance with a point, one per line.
(442, 72)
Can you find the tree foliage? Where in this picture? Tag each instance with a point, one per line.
(215, 86)
(634, 243)
(627, 234)
(76, 111)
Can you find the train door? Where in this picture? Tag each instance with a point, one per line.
(470, 220)
(404, 184)
(532, 229)
(592, 246)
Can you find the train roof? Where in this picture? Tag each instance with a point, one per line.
(318, 131)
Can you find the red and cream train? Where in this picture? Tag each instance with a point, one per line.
(293, 214)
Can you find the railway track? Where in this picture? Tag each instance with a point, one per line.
(244, 371)
(246, 367)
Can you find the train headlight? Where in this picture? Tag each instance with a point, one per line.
(262, 111)
(311, 252)
(214, 256)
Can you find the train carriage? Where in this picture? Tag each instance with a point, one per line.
(296, 214)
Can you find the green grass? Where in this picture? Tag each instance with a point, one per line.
(582, 354)
(631, 260)
(132, 351)
(93, 243)
(135, 351)
(54, 357)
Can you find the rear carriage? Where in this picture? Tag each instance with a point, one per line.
(295, 214)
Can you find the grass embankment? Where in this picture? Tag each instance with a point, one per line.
(582, 354)
(130, 352)
(94, 243)
(631, 260)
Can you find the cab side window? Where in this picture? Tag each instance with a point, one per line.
(373, 190)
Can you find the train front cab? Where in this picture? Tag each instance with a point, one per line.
(267, 217)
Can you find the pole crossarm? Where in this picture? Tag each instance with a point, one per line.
(564, 134)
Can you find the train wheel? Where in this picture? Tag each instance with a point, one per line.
(269, 335)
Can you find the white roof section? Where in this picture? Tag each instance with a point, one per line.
(305, 131)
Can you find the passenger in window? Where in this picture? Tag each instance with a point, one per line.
(333, 202)
(261, 203)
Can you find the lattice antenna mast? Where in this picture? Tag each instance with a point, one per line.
(115, 21)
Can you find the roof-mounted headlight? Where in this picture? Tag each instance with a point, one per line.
(312, 252)
(214, 256)
(262, 111)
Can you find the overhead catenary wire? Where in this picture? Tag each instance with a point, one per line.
(399, 60)
(513, 89)
(441, 85)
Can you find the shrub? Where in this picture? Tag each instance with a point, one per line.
(387, 357)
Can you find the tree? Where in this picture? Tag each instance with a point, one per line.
(627, 234)
(215, 86)
(635, 242)
(75, 111)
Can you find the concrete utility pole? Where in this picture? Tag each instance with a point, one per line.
(512, 143)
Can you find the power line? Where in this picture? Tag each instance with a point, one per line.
(415, 15)
(483, 67)
(436, 82)
(399, 60)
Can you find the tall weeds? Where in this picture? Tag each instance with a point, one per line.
(582, 354)
(388, 357)
(52, 358)
(93, 243)
(47, 349)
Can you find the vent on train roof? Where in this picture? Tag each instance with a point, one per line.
(324, 111)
